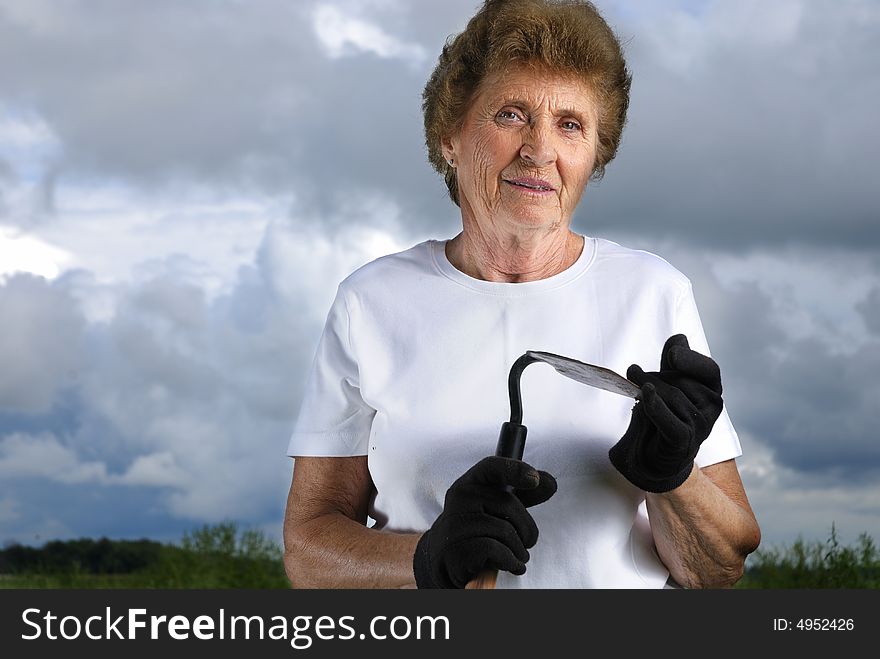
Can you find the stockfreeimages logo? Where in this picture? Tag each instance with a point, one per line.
(299, 631)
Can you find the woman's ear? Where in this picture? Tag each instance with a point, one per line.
(448, 146)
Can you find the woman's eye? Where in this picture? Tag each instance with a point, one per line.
(571, 125)
(509, 115)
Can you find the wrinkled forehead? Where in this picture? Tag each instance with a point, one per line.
(537, 86)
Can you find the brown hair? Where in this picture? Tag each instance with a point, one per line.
(566, 36)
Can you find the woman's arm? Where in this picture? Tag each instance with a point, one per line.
(326, 541)
(705, 528)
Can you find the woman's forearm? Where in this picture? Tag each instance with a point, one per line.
(334, 551)
(701, 534)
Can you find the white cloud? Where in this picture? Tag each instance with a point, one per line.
(29, 156)
(25, 135)
(686, 41)
(20, 252)
(307, 262)
(114, 236)
(40, 343)
(154, 470)
(43, 456)
(189, 394)
(344, 35)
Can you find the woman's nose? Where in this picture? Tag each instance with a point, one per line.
(538, 149)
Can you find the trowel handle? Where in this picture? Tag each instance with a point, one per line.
(511, 441)
(485, 580)
(511, 444)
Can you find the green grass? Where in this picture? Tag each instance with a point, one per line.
(219, 556)
(827, 564)
(73, 580)
(223, 556)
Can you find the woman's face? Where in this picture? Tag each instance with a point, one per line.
(525, 150)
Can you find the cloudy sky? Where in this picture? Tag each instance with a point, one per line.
(183, 185)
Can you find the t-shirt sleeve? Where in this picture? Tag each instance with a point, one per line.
(334, 420)
(722, 443)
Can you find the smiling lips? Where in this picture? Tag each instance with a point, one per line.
(529, 183)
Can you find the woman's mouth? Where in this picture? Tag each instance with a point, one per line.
(534, 185)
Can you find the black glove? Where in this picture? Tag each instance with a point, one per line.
(483, 525)
(678, 407)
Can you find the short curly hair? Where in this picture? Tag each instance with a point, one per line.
(565, 36)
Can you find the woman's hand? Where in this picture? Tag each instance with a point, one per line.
(484, 524)
(679, 405)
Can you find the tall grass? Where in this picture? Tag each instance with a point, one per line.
(816, 564)
(225, 556)
(222, 557)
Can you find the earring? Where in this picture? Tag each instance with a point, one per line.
(451, 162)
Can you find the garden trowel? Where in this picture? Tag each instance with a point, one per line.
(512, 439)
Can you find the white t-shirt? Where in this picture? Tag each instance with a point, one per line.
(412, 369)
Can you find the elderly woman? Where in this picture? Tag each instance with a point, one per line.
(391, 485)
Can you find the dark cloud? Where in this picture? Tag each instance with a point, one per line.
(178, 405)
(869, 308)
(752, 137)
(808, 399)
(233, 95)
(80, 510)
(178, 400)
(153, 92)
(741, 132)
(818, 411)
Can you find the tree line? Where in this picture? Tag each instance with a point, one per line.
(86, 555)
(225, 556)
(212, 556)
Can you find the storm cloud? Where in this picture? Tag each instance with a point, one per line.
(183, 185)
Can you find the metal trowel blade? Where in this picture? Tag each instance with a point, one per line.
(589, 374)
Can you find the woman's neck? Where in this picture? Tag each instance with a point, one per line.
(511, 258)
